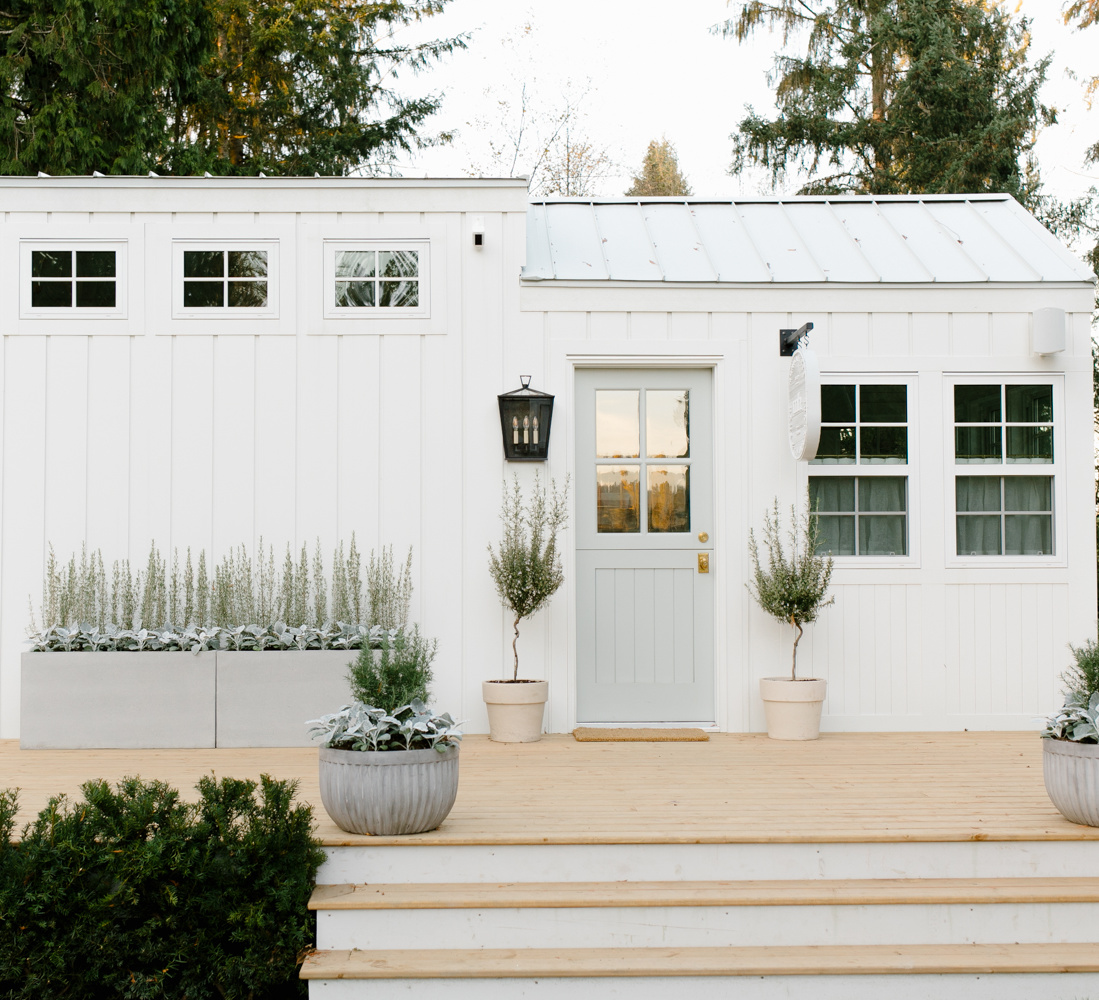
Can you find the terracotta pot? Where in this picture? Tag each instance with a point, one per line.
(515, 709)
(792, 707)
(1071, 772)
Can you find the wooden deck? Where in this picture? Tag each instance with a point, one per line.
(736, 788)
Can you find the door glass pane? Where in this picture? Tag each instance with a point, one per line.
(887, 404)
(1030, 445)
(51, 264)
(837, 404)
(617, 423)
(669, 498)
(203, 264)
(667, 425)
(1029, 404)
(978, 535)
(618, 500)
(95, 264)
(977, 404)
(977, 445)
(884, 445)
(95, 294)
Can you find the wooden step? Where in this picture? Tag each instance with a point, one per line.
(813, 960)
(787, 892)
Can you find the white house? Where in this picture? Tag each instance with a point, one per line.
(204, 361)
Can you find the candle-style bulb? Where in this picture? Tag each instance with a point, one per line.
(514, 430)
(526, 430)
(535, 430)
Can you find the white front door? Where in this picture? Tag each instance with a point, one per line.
(644, 502)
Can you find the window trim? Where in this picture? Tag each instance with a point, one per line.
(1054, 471)
(228, 313)
(72, 313)
(857, 470)
(331, 245)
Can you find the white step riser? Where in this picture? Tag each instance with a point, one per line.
(699, 862)
(1063, 986)
(702, 926)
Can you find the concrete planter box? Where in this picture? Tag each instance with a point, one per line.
(264, 698)
(178, 700)
(125, 700)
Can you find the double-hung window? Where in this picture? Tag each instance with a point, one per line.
(858, 482)
(1003, 468)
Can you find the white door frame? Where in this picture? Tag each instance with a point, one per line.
(726, 556)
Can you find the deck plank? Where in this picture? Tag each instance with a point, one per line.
(807, 960)
(735, 788)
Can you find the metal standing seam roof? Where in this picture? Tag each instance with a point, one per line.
(905, 239)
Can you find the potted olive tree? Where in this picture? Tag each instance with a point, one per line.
(1070, 758)
(791, 588)
(526, 568)
(388, 764)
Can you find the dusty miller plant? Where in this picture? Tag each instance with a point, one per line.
(793, 585)
(1078, 720)
(364, 727)
(526, 567)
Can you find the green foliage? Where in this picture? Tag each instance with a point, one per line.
(398, 675)
(91, 84)
(898, 96)
(526, 567)
(134, 893)
(660, 174)
(225, 86)
(244, 591)
(1082, 678)
(792, 586)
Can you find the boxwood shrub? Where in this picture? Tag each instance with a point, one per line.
(135, 893)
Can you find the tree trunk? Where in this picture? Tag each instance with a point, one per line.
(515, 649)
(797, 639)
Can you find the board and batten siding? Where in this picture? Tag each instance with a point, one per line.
(208, 441)
(930, 643)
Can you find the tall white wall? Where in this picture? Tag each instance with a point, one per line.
(925, 645)
(147, 432)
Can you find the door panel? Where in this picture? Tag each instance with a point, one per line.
(644, 494)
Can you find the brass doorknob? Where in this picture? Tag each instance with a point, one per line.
(703, 537)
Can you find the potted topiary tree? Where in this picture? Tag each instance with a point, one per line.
(791, 588)
(1070, 758)
(526, 568)
(388, 765)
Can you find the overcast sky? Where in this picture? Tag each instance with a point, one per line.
(665, 73)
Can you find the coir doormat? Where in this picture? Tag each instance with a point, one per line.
(591, 734)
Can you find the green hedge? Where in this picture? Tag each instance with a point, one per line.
(134, 893)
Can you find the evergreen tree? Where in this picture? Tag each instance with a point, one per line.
(660, 174)
(897, 96)
(225, 86)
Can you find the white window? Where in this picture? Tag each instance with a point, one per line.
(224, 280)
(375, 278)
(858, 482)
(1004, 468)
(72, 279)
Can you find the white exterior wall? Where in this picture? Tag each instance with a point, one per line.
(119, 432)
(929, 643)
(154, 429)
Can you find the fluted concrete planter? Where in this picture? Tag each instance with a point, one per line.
(515, 709)
(792, 707)
(388, 792)
(1071, 772)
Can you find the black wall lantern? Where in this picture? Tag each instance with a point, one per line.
(525, 415)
